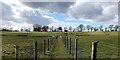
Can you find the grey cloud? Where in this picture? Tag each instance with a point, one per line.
(34, 17)
(86, 10)
(119, 12)
(60, 7)
(93, 11)
(6, 12)
(105, 18)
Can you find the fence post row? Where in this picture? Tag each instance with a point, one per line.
(94, 50)
(35, 50)
(93, 53)
(16, 51)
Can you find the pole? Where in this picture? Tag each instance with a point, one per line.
(76, 47)
(67, 42)
(75, 51)
(44, 46)
(16, 51)
(94, 50)
(48, 45)
(70, 46)
(35, 50)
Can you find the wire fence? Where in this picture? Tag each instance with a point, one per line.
(32, 51)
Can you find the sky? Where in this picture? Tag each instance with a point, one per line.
(22, 15)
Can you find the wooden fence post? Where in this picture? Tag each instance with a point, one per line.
(48, 45)
(35, 50)
(51, 40)
(94, 50)
(75, 52)
(70, 46)
(76, 47)
(67, 42)
(16, 51)
(44, 46)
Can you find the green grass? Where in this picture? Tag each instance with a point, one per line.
(107, 46)
(59, 51)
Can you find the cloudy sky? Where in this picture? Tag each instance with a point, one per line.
(17, 15)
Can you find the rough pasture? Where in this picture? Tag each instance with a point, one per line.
(107, 46)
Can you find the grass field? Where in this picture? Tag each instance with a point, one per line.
(107, 46)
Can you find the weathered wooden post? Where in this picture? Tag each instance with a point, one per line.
(70, 46)
(35, 50)
(94, 50)
(67, 42)
(16, 51)
(75, 52)
(44, 46)
(51, 39)
(48, 45)
(76, 47)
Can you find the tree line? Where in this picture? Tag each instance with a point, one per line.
(79, 28)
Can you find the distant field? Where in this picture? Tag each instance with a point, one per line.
(107, 46)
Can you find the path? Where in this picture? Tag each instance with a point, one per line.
(59, 51)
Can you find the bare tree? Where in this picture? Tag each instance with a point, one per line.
(70, 28)
(95, 28)
(73, 30)
(101, 28)
(45, 28)
(111, 27)
(82, 27)
(60, 28)
(88, 27)
(106, 29)
(116, 27)
(11, 29)
(91, 28)
(35, 27)
(39, 28)
(52, 28)
(77, 29)
(65, 29)
(21, 29)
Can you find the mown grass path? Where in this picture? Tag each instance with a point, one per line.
(59, 50)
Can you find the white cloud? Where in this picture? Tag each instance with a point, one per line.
(19, 16)
(64, 24)
(20, 26)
